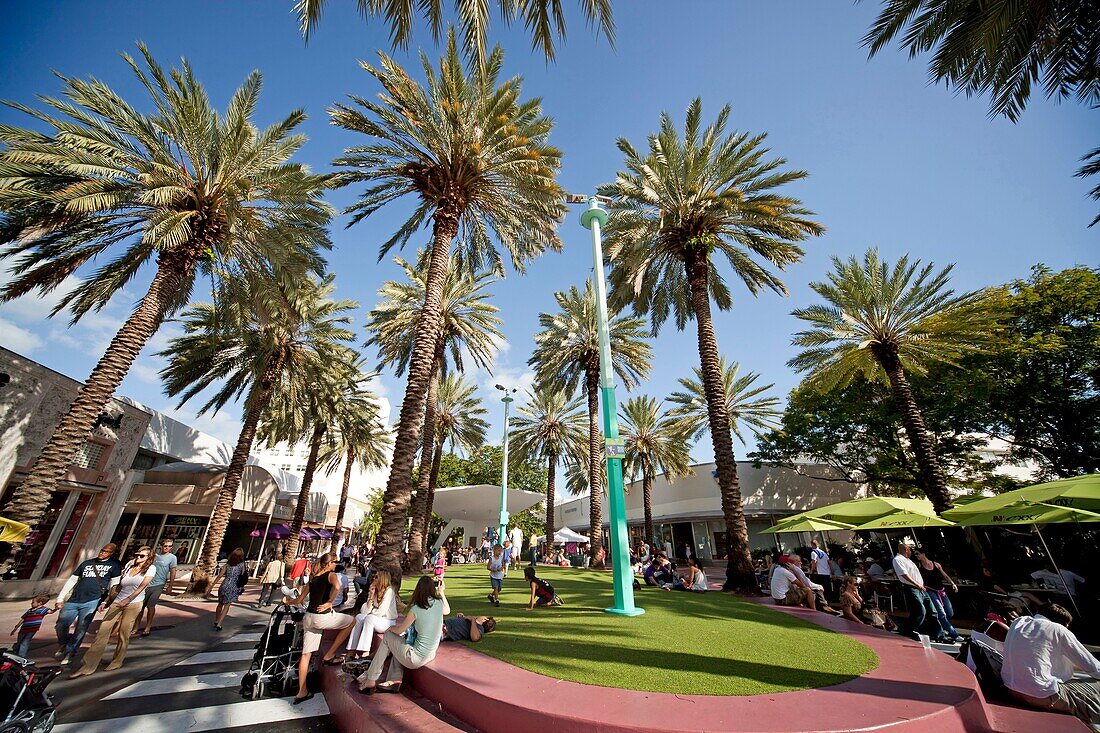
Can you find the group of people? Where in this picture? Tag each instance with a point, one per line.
(659, 571)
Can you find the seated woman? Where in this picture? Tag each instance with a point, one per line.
(424, 616)
(542, 593)
(697, 581)
(377, 613)
(855, 609)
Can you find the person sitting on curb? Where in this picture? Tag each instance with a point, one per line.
(816, 589)
(461, 628)
(787, 589)
(1040, 656)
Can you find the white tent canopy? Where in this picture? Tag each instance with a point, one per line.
(565, 535)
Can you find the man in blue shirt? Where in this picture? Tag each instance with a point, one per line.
(80, 597)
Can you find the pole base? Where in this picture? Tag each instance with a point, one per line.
(625, 611)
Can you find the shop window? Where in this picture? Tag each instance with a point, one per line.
(186, 535)
(35, 544)
(67, 537)
(145, 533)
(90, 455)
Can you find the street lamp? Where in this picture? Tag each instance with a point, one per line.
(623, 576)
(507, 400)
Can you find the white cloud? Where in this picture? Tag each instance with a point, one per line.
(33, 308)
(18, 339)
(510, 378)
(145, 372)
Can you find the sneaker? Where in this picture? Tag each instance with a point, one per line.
(490, 597)
(496, 602)
(65, 659)
(59, 653)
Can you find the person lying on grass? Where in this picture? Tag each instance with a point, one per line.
(461, 628)
(542, 593)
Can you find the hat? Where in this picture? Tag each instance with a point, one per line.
(784, 559)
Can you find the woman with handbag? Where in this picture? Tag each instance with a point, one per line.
(234, 580)
(322, 591)
(124, 600)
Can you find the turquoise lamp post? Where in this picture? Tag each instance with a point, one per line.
(507, 400)
(623, 575)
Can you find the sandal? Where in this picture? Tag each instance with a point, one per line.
(334, 661)
(391, 687)
(145, 633)
(300, 700)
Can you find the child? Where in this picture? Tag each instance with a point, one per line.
(542, 593)
(496, 566)
(29, 623)
(507, 553)
(440, 564)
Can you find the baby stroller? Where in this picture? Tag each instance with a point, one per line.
(274, 669)
(25, 706)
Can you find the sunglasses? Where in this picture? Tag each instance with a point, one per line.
(140, 555)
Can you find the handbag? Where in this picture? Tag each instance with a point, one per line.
(242, 580)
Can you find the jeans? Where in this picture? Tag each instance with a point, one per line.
(82, 614)
(942, 606)
(920, 609)
(267, 590)
(23, 645)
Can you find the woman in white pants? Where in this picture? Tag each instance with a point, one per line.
(379, 613)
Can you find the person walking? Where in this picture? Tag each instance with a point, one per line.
(321, 616)
(496, 565)
(425, 613)
(165, 562)
(236, 571)
(122, 613)
(29, 624)
(936, 580)
(517, 547)
(80, 597)
(270, 580)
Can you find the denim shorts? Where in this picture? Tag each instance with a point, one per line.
(496, 583)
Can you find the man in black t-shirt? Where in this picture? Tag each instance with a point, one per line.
(80, 597)
(461, 628)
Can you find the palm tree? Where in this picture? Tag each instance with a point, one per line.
(360, 436)
(567, 351)
(742, 398)
(654, 443)
(185, 187)
(262, 336)
(469, 324)
(458, 416)
(476, 157)
(672, 212)
(551, 425)
(889, 321)
(544, 20)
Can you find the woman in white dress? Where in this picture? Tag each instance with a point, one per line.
(378, 614)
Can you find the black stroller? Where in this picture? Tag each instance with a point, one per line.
(274, 669)
(25, 706)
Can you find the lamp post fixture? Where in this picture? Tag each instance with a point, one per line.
(507, 400)
(623, 576)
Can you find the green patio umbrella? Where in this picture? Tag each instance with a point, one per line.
(868, 509)
(1079, 492)
(806, 524)
(903, 520)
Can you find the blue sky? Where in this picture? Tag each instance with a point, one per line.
(894, 162)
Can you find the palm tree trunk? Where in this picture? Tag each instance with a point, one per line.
(595, 464)
(290, 549)
(647, 501)
(551, 468)
(932, 480)
(415, 558)
(338, 530)
(31, 498)
(739, 573)
(395, 499)
(219, 519)
(433, 481)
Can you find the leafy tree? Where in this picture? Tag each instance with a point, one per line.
(469, 324)
(543, 19)
(195, 191)
(653, 443)
(567, 351)
(881, 321)
(744, 405)
(262, 336)
(552, 426)
(675, 212)
(476, 158)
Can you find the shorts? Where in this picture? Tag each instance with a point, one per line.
(315, 624)
(152, 595)
(497, 583)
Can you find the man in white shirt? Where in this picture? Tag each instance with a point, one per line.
(517, 546)
(875, 571)
(1040, 655)
(916, 595)
(787, 589)
(816, 589)
(1065, 581)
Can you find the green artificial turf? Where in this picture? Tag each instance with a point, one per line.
(689, 643)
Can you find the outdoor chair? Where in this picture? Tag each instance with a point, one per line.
(881, 591)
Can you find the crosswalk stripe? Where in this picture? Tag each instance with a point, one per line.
(236, 655)
(169, 685)
(215, 717)
(238, 638)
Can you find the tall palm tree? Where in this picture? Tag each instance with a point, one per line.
(879, 320)
(261, 338)
(654, 443)
(544, 20)
(476, 158)
(192, 190)
(552, 425)
(310, 407)
(468, 324)
(567, 352)
(360, 436)
(742, 398)
(674, 210)
(459, 419)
